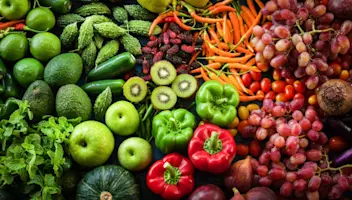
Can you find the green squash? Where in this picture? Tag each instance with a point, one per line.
(109, 182)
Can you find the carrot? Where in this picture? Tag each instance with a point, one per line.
(204, 75)
(219, 29)
(198, 76)
(229, 24)
(221, 52)
(242, 66)
(226, 30)
(223, 59)
(215, 77)
(252, 8)
(214, 36)
(225, 2)
(227, 80)
(157, 20)
(165, 27)
(235, 83)
(251, 62)
(251, 98)
(240, 82)
(194, 57)
(198, 18)
(235, 26)
(195, 38)
(260, 4)
(211, 66)
(220, 9)
(180, 23)
(246, 12)
(249, 31)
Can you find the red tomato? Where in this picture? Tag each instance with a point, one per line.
(260, 93)
(290, 80)
(270, 95)
(344, 75)
(247, 80)
(336, 67)
(278, 86)
(289, 92)
(254, 148)
(298, 96)
(256, 76)
(299, 86)
(338, 144)
(277, 74)
(254, 87)
(242, 149)
(265, 85)
(312, 100)
(264, 67)
(280, 97)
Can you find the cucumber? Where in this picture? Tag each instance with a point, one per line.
(114, 67)
(57, 6)
(97, 87)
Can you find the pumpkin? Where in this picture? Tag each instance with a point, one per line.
(109, 182)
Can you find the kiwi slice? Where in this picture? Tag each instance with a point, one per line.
(184, 85)
(163, 73)
(135, 89)
(163, 98)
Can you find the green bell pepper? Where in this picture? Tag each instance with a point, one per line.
(217, 103)
(173, 130)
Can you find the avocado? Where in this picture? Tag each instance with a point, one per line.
(40, 99)
(72, 102)
(63, 69)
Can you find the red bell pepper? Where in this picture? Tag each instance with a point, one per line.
(212, 149)
(171, 177)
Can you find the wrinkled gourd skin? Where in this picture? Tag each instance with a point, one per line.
(155, 6)
(198, 3)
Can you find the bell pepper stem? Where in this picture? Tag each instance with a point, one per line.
(170, 168)
(214, 140)
(221, 101)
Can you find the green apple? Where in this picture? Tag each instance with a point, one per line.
(91, 143)
(122, 118)
(134, 154)
(14, 9)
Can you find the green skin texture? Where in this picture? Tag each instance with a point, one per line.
(28, 70)
(91, 143)
(44, 46)
(217, 103)
(40, 19)
(134, 154)
(14, 9)
(155, 6)
(122, 118)
(173, 130)
(198, 3)
(14, 47)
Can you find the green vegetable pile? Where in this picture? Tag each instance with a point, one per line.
(34, 153)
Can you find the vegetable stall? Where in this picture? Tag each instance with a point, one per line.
(175, 99)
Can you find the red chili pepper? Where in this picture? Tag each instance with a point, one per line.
(171, 177)
(9, 24)
(23, 27)
(169, 19)
(212, 149)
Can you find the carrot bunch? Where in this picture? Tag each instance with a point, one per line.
(227, 48)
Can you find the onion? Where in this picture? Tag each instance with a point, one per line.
(335, 97)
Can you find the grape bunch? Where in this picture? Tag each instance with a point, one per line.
(302, 37)
(295, 157)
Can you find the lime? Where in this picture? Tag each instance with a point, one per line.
(28, 70)
(40, 19)
(44, 46)
(13, 47)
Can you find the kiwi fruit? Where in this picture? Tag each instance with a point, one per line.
(163, 73)
(135, 89)
(163, 98)
(184, 85)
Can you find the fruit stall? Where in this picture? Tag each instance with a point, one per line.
(175, 99)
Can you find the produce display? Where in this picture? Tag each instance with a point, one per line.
(175, 99)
